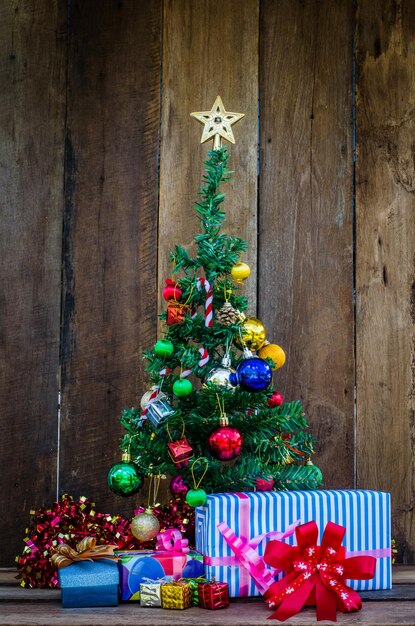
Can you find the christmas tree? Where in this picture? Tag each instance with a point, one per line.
(212, 419)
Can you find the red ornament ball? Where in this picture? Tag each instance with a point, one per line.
(263, 484)
(172, 290)
(275, 400)
(225, 443)
(178, 487)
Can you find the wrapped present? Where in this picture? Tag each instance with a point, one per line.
(213, 595)
(232, 530)
(171, 558)
(180, 452)
(194, 587)
(150, 593)
(316, 574)
(176, 313)
(88, 576)
(158, 409)
(176, 595)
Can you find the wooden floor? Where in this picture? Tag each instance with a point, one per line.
(38, 607)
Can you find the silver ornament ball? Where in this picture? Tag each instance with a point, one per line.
(220, 377)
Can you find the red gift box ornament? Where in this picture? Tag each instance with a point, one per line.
(213, 595)
(176, 313)
(180, 451)
(315, 574)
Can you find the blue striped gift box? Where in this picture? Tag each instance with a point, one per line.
(365, 514)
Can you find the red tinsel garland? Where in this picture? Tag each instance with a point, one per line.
(70, 520)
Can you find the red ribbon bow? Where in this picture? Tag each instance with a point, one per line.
(315, 574)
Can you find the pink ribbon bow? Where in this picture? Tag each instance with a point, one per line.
(247, 555)
(171, 540)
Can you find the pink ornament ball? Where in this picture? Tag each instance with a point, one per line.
(178, 487)
(263, 484)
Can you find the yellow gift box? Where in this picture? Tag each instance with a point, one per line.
(176, 595)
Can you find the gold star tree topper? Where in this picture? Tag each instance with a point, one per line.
(218, 123)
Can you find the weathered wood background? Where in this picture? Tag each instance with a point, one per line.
(99, 166)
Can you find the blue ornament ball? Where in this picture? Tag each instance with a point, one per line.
(252, 374)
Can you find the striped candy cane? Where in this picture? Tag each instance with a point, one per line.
(202, 283)
(205, 358)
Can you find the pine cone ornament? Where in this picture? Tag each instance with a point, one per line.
(227, 315)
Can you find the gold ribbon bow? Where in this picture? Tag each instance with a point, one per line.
(86, 550)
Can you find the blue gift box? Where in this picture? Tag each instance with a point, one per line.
(89, 583)
(366, 516)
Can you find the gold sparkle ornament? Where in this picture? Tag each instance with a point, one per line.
(145, 526)
(217, 123)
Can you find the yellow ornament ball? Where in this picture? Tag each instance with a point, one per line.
(240, 272)
(274, 352)
(253, 334)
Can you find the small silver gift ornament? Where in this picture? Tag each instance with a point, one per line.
(150, 594)
(158, 410)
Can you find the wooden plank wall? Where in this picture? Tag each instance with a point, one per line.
(385, 249)
(100, 166)
(306, 210)
(110, 230)
(188, 63)
(32, 87)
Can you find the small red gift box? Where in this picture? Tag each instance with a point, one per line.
(213, 595)
(175, 313)
(180, 452)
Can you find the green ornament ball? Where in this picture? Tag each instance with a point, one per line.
(314, 474)
(182, 388)
(196, 497)
(163, 348)
(124, 479)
